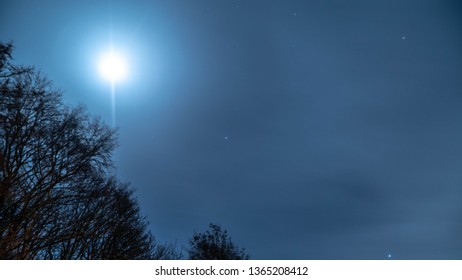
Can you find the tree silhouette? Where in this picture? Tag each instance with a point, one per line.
(57, 199)
(214, 244)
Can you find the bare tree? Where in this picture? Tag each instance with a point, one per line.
(214, 244)
(57, 199)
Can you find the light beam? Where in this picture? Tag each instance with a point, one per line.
(113, 68)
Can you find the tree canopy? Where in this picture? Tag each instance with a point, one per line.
(58, 199)
(214, 244)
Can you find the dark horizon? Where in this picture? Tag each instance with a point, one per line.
(307, 129)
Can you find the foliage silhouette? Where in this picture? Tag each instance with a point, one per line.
(57, 199)
(214, 244)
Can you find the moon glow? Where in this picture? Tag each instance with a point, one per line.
(113, 67)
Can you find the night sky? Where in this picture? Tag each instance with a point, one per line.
(307, 129)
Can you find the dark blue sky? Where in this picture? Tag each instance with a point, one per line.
(308, 129)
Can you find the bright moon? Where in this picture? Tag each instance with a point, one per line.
(113, 67)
